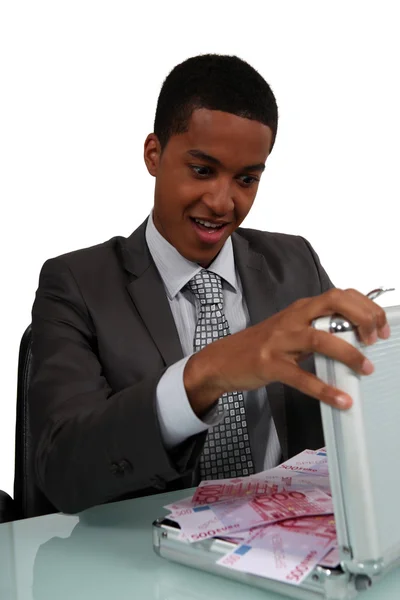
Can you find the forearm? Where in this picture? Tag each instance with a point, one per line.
(202, 380)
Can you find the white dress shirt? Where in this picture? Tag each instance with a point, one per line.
(176, 417)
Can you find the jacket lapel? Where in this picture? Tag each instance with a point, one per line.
(149, 296)
(262, 293)
(260, 290)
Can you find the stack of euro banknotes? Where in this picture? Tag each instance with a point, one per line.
(281, 520)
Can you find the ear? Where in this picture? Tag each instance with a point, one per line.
(152, 153)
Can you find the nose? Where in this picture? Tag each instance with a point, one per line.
(219, 198)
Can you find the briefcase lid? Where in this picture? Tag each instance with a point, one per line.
(363, 449)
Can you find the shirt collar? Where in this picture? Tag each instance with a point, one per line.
(176, 271)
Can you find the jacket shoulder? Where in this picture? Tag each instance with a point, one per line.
(289, 258)
(267, 242)
(103, 248)
(110, 256)
(93, 258)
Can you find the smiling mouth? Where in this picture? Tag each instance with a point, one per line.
(208, 225)
(208, 232)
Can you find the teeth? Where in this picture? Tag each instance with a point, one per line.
(207, 223)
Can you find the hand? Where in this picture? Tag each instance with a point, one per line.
(271, 350)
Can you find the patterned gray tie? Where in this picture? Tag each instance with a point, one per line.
(227, 450)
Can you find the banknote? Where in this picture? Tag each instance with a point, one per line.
(332, 559)
(233, 516)
(309, 469)
(320, 526)
(284, 551)
(312, 462)
(211, 492)
(201, 523)
(265, 509)
(180, 505)
(280, 520)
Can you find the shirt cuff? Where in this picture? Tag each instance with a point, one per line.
(175, 415)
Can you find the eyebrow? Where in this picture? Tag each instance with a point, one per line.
(215, 161)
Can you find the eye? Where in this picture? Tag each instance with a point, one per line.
(248, 180)
(201, 170)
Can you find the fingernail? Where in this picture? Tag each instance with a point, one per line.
(367, 367)
(342, 401)
(373, 338)
(385, 332)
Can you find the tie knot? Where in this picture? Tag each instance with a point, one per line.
(207, 287)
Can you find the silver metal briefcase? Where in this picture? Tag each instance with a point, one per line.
(363, 448)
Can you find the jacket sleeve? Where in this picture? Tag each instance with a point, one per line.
(91, 444)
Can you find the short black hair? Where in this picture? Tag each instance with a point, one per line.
(216, 82)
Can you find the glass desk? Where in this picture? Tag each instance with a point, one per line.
(106, 552)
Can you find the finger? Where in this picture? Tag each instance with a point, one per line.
(382, 329)
(363, 313)
(312, 386)
(312, 340)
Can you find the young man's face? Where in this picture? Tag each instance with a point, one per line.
(208, 174)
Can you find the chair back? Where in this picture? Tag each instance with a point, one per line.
(6, 508)
(28, 498)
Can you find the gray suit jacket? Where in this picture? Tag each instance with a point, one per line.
(103, 335)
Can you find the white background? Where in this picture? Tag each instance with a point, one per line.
(79, 85)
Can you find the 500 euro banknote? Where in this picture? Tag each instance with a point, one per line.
(306, 470)
(233, 516)
(308, 462)
(287, 551)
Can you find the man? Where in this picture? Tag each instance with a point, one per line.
(128, 395)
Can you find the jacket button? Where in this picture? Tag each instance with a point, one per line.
(115, 469)
(125, 465)
(121, 467)
(158, 483)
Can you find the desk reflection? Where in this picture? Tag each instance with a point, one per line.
(109, 554)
